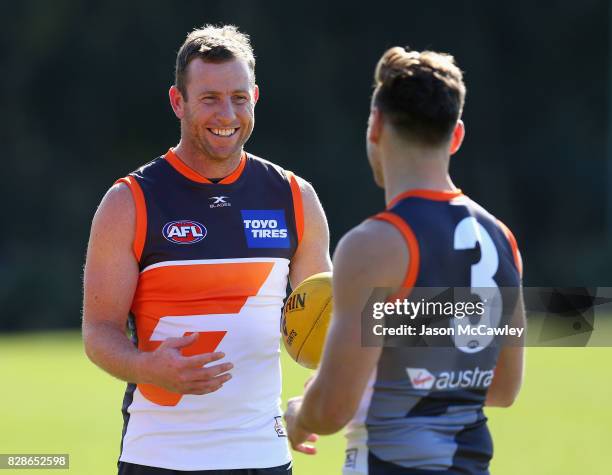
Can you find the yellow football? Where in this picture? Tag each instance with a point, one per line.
(306, 317)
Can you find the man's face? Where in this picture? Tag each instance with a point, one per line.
(219, 111)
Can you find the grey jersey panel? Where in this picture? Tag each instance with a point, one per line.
(425, 411)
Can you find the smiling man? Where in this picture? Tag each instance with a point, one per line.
(193, 251)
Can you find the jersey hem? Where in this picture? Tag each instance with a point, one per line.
(254, 464)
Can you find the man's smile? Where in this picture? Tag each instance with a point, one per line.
(223, 132)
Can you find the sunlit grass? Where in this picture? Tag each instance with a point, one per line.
(53, 400)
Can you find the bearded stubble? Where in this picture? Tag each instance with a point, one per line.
(197, 136)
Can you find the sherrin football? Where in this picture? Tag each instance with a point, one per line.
(306, 317)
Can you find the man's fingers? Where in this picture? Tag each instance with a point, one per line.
(305, 449)
(312, 438)
(180, 342)
(205, 374)
(208, 386)
(197, 361)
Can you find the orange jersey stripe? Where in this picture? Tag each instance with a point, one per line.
(298, 206)
(232, 177)
(141, 215)
(413, 252)
(193, 175)
(185, 290)
(518, 261)
(436, 195)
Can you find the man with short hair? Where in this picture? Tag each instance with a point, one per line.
(413, 409)
(196, 247)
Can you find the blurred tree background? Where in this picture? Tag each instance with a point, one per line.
(84, 101)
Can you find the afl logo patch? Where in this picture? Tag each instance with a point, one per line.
(184, 232)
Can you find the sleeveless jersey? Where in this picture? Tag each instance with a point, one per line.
(423, 409)
(214, 259)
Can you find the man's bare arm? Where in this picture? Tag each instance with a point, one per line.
(312, 255)
(510, 366)
(110, 279)
(373, 255)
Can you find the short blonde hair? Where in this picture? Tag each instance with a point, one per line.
(214, 44)
(421, 93)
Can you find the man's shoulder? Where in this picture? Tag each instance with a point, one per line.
(266, 165)
(116, 212)
(480, 209)
(373, 238)
(374, 248)
(150, 168)
(485, 216)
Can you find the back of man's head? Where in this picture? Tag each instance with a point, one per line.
(213, 44)
(420, 93)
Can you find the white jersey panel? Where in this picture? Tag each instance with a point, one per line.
(237, 426)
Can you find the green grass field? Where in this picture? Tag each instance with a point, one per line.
(53, 400)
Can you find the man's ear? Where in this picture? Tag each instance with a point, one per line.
(177, 102)
(457, 138)
(256, 93)
(375, 125)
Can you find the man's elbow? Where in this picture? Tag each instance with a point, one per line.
(88, 345)
(505, 399)
(334, 418)
(500, 402)
(94, 336)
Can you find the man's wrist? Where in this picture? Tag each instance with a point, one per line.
(299, 420)
(139, 367)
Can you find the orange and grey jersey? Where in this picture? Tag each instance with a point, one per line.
(423, 409)
(214, 259)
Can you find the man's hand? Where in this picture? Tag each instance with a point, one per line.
(168, 368)
(297, 435)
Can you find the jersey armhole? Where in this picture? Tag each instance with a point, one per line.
(141, 215)
(413, 252)
(298, 208)
(518, 261)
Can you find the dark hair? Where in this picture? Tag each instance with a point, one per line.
(420, 93)
(213, 44)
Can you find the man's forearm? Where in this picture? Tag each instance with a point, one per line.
(320, 418)
(110, 349)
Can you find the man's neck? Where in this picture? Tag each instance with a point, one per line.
(203, 164)
(416, 168)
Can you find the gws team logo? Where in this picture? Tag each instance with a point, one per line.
(279, 427)
(420, 378)
(184, 232)
(265, 228)
(350, 458)
(219, 201)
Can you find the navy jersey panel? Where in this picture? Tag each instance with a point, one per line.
(434, 224)
(251, 217)
(376, 466)
(425, 411)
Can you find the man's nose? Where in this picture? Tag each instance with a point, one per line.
(226, 111)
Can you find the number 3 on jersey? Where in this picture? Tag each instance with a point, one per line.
(468, 233)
